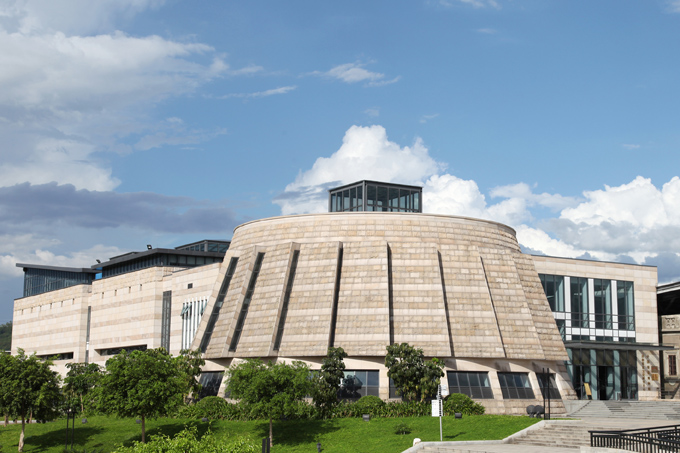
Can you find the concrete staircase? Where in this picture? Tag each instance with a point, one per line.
(649, 410)
(554, 436)
(557, 435)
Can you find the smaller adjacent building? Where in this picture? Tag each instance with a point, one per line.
(668, 300)
(606, 314)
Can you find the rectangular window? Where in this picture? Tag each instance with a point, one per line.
(579, 302)
(672, 365)
(381, 204)
(626, 305)
(286, 299)
(55, 357)
(246, 302)
(210, 383)
(205, 341)
(603, 303)
(371, 195)
(165, 320)
(553, 286)
(359, 383)
(544, 383)
(115, 351)
(472, 384)
(515, 386)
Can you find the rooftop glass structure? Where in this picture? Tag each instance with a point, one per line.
(375, 196)
(206, 246)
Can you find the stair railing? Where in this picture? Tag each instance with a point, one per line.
(648, 440)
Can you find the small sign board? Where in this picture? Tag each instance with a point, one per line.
(436, 408)
(444, 388)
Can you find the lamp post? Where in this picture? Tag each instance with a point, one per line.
(70, 415)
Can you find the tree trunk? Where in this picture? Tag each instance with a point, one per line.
(21, 437)
(6, 419)
(82, 408)
(271, 433)
(30, 417)
(143, 430)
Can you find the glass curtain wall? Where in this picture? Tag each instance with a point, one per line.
(370, 196)
(603, 374)
(579, 302)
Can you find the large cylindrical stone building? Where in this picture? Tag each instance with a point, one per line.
(459, 288)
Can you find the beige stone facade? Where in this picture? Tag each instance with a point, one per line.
(125, 312)
(646, 332)
(458, 288)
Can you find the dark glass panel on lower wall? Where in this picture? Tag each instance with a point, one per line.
(359, 383)
(210, 383)
(471, 383)
(515, 386)
(544, 384)
(55, 357)
(114, 351)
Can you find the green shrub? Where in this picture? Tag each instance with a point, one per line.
(402, 428)
(214, 408)
(187, 441)
(406, 409)
(368, 405)
(457, 402)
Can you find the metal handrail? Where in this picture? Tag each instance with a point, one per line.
(648, 440)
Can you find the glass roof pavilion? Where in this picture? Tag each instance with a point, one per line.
(375, 196)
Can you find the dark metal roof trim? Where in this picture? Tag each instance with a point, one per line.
(137, 255)
(668, 287)
(380, 183)
(75, 270)
(617, 345)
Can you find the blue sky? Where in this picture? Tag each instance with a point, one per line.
(134, 122)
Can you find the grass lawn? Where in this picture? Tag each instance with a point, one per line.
(340, 435)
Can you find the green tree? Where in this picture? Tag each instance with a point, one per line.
(144, 384)
(327, 381)
(190, 363)
(30, 389)
(6, 364)
(6, 336)
(80, 380)
(416, 378)
(271, 389)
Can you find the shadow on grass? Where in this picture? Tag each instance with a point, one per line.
(296, 432)
(453, 437)
(57, 438)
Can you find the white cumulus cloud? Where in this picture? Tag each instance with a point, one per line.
(635, 221)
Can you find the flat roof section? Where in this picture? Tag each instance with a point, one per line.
(57, 268)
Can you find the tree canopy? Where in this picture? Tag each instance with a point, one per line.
(29, 389)
(144, 384)
(80, 380)
(270, 389)
(416, 378)
(6, 336)
(327, 381)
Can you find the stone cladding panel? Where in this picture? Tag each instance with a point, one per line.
(362, 326)
(260, 322)
(474, 329)
(419, 317)
(542, 316)
(308, 321)
(519, 335)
